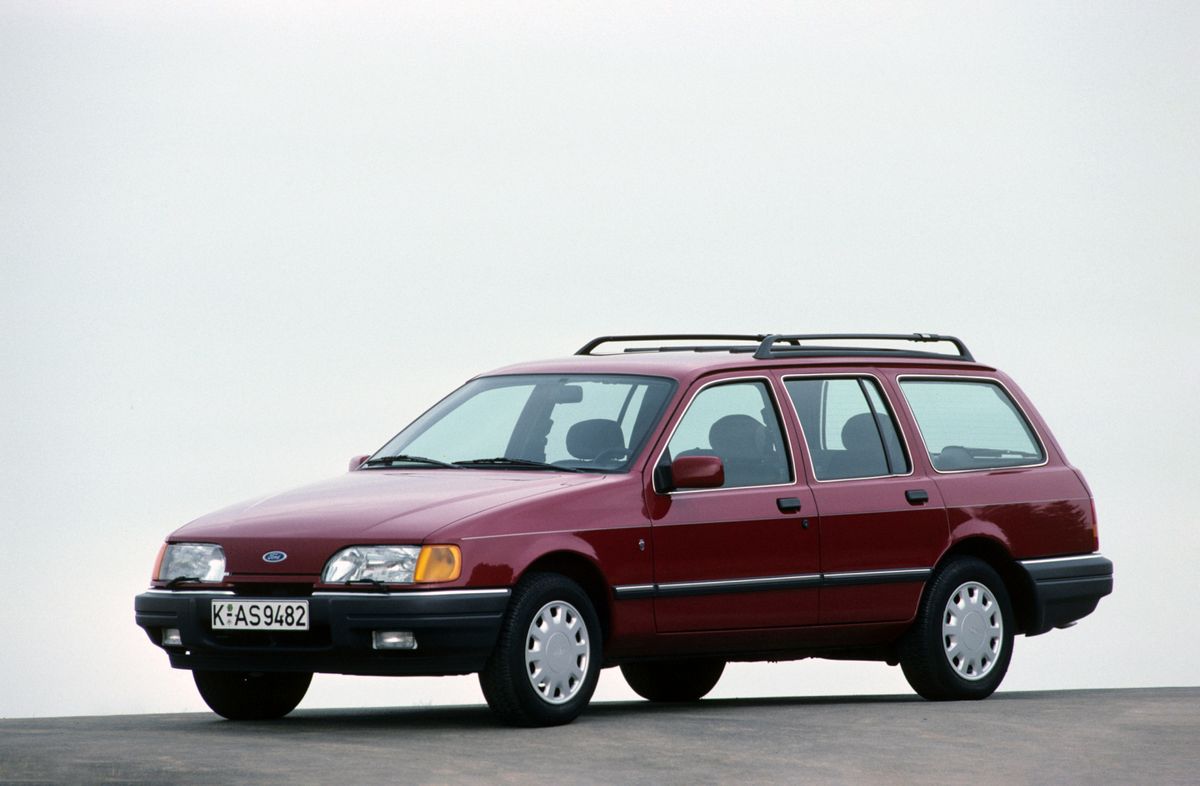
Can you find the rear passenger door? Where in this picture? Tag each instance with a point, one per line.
(883, 524)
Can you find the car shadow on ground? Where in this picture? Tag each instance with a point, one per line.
(479, 716)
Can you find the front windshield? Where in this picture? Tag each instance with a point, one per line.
(594, 422)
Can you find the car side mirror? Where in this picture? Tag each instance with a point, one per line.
(357, 461)
(697, 472)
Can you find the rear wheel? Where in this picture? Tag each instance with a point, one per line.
(961, 642)
(675, 680)
(547, 659)
(241, 695)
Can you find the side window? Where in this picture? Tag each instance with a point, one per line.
(736, 421)
(971, 424)
(849, 430)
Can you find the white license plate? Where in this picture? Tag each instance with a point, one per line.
(260, 615)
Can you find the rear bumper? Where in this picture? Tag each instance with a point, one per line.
(1066, 589)
(456, 631)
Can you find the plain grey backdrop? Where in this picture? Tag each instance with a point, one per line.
(242, 242)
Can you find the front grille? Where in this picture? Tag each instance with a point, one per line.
(268, 590)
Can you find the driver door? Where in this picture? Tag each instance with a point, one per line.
(744, 555)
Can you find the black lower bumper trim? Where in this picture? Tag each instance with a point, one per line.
(455, 633)
(1066, 589)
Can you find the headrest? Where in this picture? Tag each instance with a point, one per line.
(738, 436)
(860, 434)
(588, 439)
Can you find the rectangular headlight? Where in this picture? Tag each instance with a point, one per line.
(192, 562)
(384, 564)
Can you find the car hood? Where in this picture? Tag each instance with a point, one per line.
(366, 506)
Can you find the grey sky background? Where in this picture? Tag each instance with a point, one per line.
(242, 243)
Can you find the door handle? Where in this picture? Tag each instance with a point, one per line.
(916, 496)
(788, 504)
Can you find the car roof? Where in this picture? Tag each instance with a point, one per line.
(748, 352)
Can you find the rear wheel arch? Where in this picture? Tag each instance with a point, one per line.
(1016, 580)
(961, 642)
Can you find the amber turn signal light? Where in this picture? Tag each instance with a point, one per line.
(158, 563)
(438, 563)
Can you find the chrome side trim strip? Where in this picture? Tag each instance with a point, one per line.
(676, 589)
(634, 591)
(679, 589)
(1048, 560)
(460, 593)
(897, 576)
(728, 584)
(188, 592)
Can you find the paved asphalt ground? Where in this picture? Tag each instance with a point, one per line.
(1104, 736)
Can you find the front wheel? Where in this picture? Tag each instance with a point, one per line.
(241, 695)
(673, 680)
(547, 659)
(961, 642)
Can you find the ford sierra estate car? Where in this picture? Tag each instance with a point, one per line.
(664, 504)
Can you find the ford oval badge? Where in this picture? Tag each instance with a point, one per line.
(274, 556)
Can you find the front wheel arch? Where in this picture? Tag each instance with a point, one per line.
(546, 662)
(583, 572)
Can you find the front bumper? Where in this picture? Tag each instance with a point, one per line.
(456, 631)
(1066, 589)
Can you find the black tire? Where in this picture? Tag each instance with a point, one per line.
(508, 680)
(673, 680)
(241, 695)
(932, 668)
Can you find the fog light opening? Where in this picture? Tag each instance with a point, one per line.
(394, 640)
(171, 637)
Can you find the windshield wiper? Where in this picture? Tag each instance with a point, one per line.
(374, 584)
(504, 461)
(1000, 453)
(413, 459)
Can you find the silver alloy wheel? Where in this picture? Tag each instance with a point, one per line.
(972, 630)
(557, 652)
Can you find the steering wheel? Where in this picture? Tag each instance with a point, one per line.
(610, 454)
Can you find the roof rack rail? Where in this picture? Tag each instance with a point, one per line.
(757, 338)
(786, 345)
(767, 348)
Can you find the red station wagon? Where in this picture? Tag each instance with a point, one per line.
(665, 508)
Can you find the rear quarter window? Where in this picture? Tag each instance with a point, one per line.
(971, 424)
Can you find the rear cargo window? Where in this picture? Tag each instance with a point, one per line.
(971, 424)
